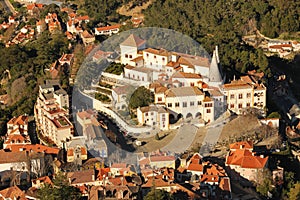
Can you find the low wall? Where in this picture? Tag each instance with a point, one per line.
(103, 107)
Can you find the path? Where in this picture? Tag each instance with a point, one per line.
(183, 139)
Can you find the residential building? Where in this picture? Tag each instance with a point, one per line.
(243, 162)
(76, 150)
(87, 38)
(17, 132)
(245, 93)
(108, 30)
(22, 161)
(157, 161)
(120, 96)
(153, 115)
(130, 47)
(51, 113)
(66, 59)
(12, 193)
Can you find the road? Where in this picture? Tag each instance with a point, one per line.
(182, 140)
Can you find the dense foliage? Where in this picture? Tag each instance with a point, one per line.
(26, 66)
(115, 68)
(224, 22)
(155, 194)
(60, 190)
(141, 97)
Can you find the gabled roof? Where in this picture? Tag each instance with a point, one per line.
(37, 148)
(133, 41)
(246, 159)
(160, 52)
(186, 75)
(13, 192)
(21, 120)
(107, 28)
(241, 145)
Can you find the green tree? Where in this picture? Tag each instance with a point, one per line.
(155, 194)
(294, 193)
(264, 182)
(60, 190)
(141, 97)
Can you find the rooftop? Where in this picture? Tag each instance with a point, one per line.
(183, 91)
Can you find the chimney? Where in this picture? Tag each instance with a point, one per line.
(262, 156)
(241, 146)
(93, 177)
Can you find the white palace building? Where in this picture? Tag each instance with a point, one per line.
(185, 85)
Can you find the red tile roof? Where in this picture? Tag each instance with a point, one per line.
(107, 28)
(245, 159)
(37, 148)
(241, 145)
(13, 193)
(21, 120)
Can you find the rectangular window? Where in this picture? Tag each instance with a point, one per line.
(130, 56)
(240, 105)
(191, 103)
(169, 105)
(240, 96)
(248, 104)
(184, 104)
(159, 99)
(126, 55)
(154, 57)
(192, 84)
(231, 105)
(199, 103)
(208, 111)
(146, 114)
(152, 113)
(163, 59)
(248, 95)
(177, 104)
(232, 96)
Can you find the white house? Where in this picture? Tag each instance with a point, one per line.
(130, 47)
(153, 116)
(108, 30)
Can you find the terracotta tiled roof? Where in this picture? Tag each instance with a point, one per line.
(237, 84)
(21, 120)
(44, 179)
(241, 145)
(137, 59)
(186, 75)
(78, 177)
(81, 18)
(245, 159)
(13, 193)
(37, 148)
(209, 178)
(161, 52)
(160, 89)
(107, 28)
(17, 138)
